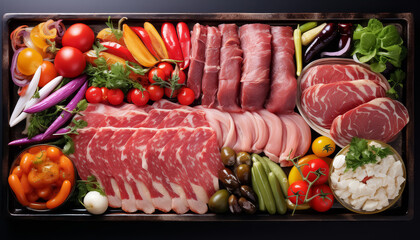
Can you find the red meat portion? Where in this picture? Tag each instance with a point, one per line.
(198, 48)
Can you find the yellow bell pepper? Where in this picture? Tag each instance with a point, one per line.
(137, 48)
(157, 41)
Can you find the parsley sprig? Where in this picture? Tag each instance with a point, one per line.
(360, 153)
(85, 186)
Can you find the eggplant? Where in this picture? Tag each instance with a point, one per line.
(327, 35)
(344, 44)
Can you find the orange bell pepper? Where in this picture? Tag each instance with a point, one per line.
(157, 41)
(137, 48)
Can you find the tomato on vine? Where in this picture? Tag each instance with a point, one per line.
(325, 199)
(297, 192)
(316, 166)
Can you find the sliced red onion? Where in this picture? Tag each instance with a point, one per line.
(58, 95)
(338, 53)
(39, 138)
(66, 115)
(23, 100)
(27, 39)
(14, 70)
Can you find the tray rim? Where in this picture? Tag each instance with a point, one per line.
(225, 16)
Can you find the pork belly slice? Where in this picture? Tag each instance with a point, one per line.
(322, 103)
(330, 73)
(379, 119)
(196, 68)
(275, 128)
(255, 79)
(230, 69)
(210, 80)
(245, 129)
(305, 135)
(283, 89)
(292, 140)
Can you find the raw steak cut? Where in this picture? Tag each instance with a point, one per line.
(322, 103)
(198, 48)
(380, 119)
(283, 82)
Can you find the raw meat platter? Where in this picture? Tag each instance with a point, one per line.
(208, 117)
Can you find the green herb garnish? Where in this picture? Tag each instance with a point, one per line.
(377, 45)
(360, 153)
(396, 79)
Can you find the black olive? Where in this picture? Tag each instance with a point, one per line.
(234, 205)
(247, 206)
(243, 158)
(228, 179)
(228, 156)
(243, 172)
(248, 193)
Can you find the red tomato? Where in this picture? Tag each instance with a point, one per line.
(316, 165)
(130, 92)
(139, 98)
(155, 92)
(94, 95)
(299, 188)
(104, 91)
(80, 36)
(181, 76)
(166, 67)
(158, 73)
(324, 201)
(69, 62)
(170, 93)
(185, 96)
(115, 96)
(48, 73)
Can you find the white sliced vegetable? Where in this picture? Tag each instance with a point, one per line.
(43, 93)
(21, 103)
(95, 203)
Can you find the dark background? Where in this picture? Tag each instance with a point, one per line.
(196, 230)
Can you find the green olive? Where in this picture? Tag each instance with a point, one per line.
(228, 156)
(218, 203)
(243, 158)
(243, 172)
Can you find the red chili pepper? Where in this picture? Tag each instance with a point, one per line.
(119, 50)
(171, 42)
(185, 42)
(145, 38)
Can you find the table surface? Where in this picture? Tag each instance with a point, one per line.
(163, 230)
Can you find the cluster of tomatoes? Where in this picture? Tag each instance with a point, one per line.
(308, 178)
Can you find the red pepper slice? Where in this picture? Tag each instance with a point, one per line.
(119, 50)
(171, 42)
(145, 38)
(185, 42)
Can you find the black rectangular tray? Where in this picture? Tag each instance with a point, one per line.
(403, 210)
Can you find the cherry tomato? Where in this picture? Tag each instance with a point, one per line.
(158, 73)
(171, 93)
(324, 201)
(129, 95)
(181, 76)
(94, 95)
(297, 192)
(140, 98)
(313, 166)
(115, 96)
(185, 96)
(155, 92)
(80, 36)
(323, 146)
(48, 73)
(166, 67)
(69, 62)
(28, 61)
(294, 174)
(104, 91)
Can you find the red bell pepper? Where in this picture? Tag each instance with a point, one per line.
(145, 38)
(119, 50)
(185, 42)
(171, 42)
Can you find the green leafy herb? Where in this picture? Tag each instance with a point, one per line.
(85, 186)
(396, 79)
(360, 153)
(40, 121)
(98, 48)
(117, 32)
(377, 45)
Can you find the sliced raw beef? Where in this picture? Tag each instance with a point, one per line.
(322, 103)
(330, 73)
(195, 119)
(210, 79)
(283, 82)
(123, 172)
(154, 118)
(255, 79)
(198, 48)
(79, 156)
(174, 118)
(134, 153)
(380, 119)
(230, 69)
(165, 104)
